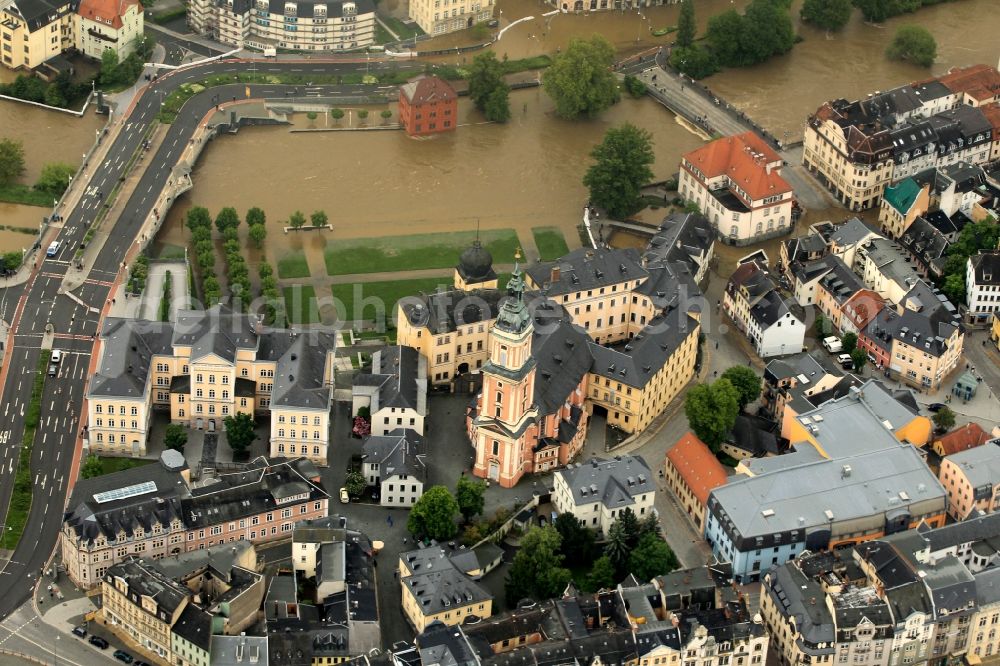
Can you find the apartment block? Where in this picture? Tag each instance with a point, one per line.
(437, 17)
(597, 491)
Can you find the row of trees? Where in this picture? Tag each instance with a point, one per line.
(542, 566)
(712, 408)
(61, 91)
(199, 222)
(53, 180)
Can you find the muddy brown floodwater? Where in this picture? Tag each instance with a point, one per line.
(47, 136)
(524, 174)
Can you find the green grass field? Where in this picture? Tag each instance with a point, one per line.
(404, 30)
(363, 301)
(551, 242)
(300, 304)
(293, 265)
(112, 465)
(416, 252)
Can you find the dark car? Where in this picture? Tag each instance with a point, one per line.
(140, 662)
(80, 631)
(936, 406)
(99, 642)
(123, 656)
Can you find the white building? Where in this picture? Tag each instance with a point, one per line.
(395, 464)
(599, 490)
(753, 303)
(108, 24)
(736, 182)
(982, 287)
(394, 390)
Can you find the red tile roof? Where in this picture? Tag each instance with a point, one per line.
(108, 12)
(992, 113)
(863, 306)
(979, 81)
(697, 466)
(424, 88)
(744, 158)
(967, 437)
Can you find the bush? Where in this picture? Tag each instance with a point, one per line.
(634, 86)
(913, 43)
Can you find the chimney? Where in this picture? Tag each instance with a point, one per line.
(554, 277)
(768, 168)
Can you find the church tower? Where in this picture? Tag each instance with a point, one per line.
(506, 417)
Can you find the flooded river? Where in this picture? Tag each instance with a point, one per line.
(524, 174)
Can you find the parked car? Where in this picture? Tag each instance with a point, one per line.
(80, 630)
(833, 344)
(123, 656)
(344, 497)
(845, 361)
(99, 642)
(936, 407)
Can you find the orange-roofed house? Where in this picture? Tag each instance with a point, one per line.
(692, 472)
(961, 439)
(427, 105)
(736, 182)
(975, 85)
(858, 311)
(108, 24)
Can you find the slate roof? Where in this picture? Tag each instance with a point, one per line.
(424, 89)
(986, 268)
(217, 331)
(436, 589)
(238, 650)
(195, 626)
(793, 366)
(561, 352)
(613, 482)
(401, 452)
(636, 362)
(927, 244)
(395, 375)
(299, 372)
(443, 311)
(90, 519)
(980, 464)
(40, 13)
(930, 328)
(128, 346)
(586, 269)
(792, 592)
(681, 237)
(849, 233)
(145, 580)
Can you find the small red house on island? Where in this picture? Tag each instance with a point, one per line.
(427, 105)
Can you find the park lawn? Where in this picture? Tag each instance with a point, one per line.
(551, 242)
(387, 292)
(112, 465)
(293, 265)
(414, 252)
(301, 307)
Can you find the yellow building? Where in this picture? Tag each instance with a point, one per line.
(33, 32)
(204, 367)
(437, 17)
(441, 593)
(995, 331)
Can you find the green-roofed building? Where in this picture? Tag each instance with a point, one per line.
(902, 203)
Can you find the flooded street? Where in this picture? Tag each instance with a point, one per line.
(524, 174)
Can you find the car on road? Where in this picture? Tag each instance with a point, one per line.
(80, 631)
(99, 642)
(936, 407)
(56, 356)
(845, 361)
(53, 369)
(123, 656)
(53, 249)
(344, 497)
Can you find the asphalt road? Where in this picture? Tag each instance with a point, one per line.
(34, 306)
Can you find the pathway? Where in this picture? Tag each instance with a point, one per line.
(149, 307)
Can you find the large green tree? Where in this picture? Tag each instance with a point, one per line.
(651, 558)
(686, 26)
(764, 30)
(91, 467)
(255, 216)
(602, 575)
(497, 107)
(616, 547)
(239, 430)
(537, 571)
(354, 483)
(711, 410)
(198, 217)
(913, 43)
(487, 89)
(849, 342)
(471, 496)
(577, 539)
(55, 178)
(695, 61)
(580, 80)
(175, 437)
(944, 419)
(433, 516)
(257, 233)
(621, 167)
(746, 382)
(227, 218)
(877, 11)
(11, 161)
(827, 14)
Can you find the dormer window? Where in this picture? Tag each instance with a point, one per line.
(290, 9)
(349, 9)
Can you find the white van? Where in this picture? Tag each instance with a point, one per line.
(56, 356)
(833, 344)
(53, 249)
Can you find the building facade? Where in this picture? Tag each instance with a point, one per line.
(293, 25)
(982, 287)
(972, 479)
(597, 491)
(752, 301)
(428, 105)
(736, 183)
(108, 24)
(204, 367)
(437, 17)
(692, 471)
